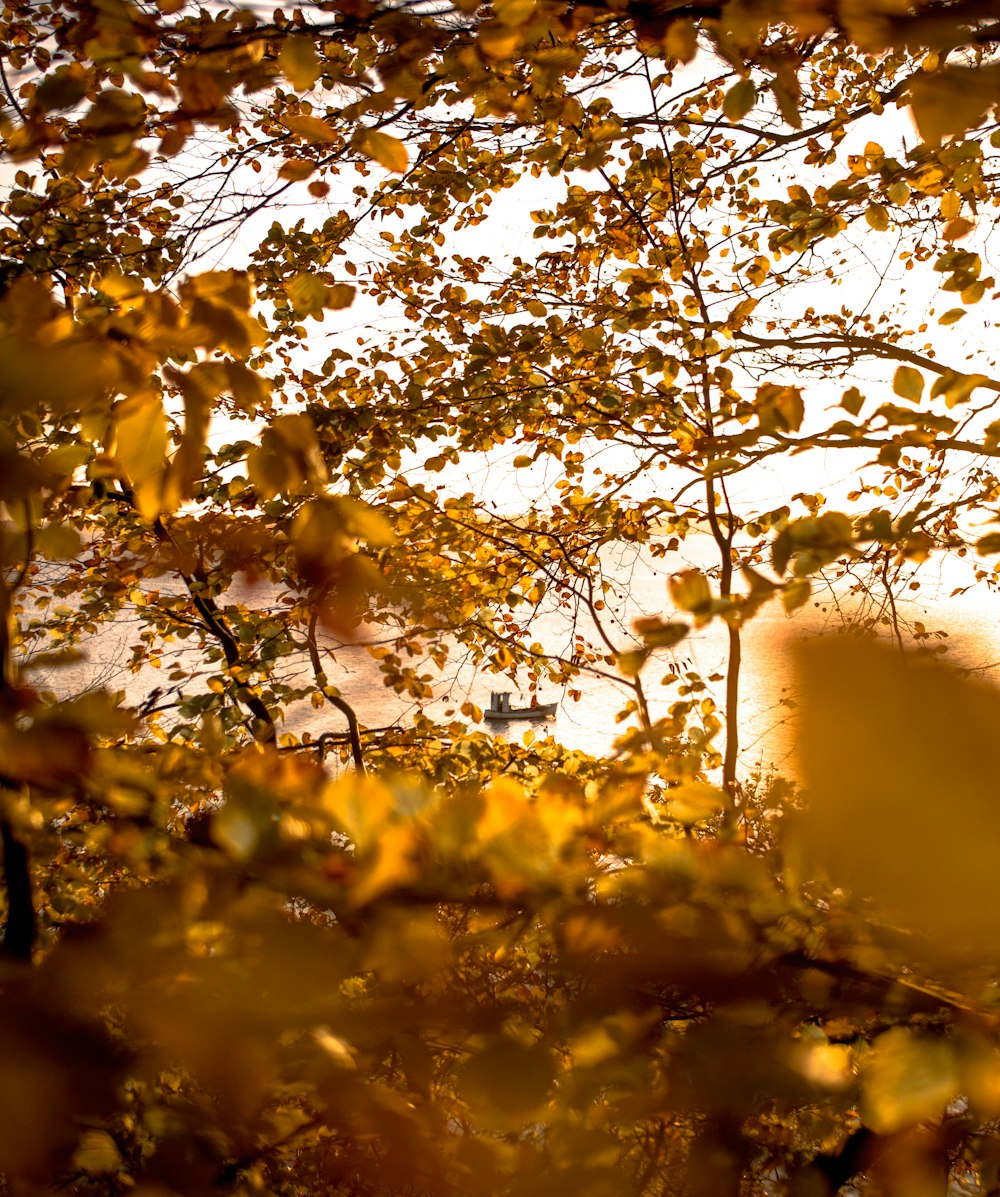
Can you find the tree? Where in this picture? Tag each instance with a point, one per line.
(467, 963)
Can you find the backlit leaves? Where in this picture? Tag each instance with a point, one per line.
(873, 707)
(739, 100)
(906, 1079)
(141, 449)
(386, 150)
(780, 408)
(299, 62)
(877, 217)
(908, 383)
(483, 964)
(949, 102)
(310, 295)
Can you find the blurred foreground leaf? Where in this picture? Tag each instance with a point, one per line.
(899, 757)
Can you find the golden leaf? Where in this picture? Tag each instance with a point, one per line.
(142, 451)
(877, 217)
(897, 754)
(958, 228)
(908, 383)
(384, 149)
(907, 1078)
(681, 40)
(299, 62)
(950, 102)
(739, 100)
(310, 128)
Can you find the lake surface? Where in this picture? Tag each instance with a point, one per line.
(768, 696)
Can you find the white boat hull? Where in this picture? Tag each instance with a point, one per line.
(545, 711)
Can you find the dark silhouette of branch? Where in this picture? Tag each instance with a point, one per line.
(8, 91)
(21, 926)
(334, 699)
(861, 346)
(216, 625)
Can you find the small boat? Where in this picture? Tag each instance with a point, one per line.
(500, 708)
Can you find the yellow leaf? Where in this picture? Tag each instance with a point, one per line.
(974, 292)
(877, 217)
(387, 151)
(96, 1153)
(906, 1078)
(898, 192)
(912, 822)
(695, 802)
(681, 40)
(299, 62)
(795, 593)
(741, 313)
(690, 590)
(307, 293)
(142, 451)
(340, 295)
(949, 102)
(631, 663)
(908, 383)
(514, 12)
(296, 169)
(395, 863)
(58, 542)
(952, 316)
(360, 806)
(311, 128)
(507, 1082)
(958, 228)
(779, 408)
(498, 41)
(951, 205)
(740, 98)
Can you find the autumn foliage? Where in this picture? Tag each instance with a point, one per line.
(604, 244)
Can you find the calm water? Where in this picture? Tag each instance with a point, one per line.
(767, 707)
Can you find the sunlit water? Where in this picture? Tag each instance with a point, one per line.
(768, 696)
